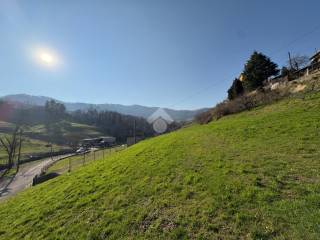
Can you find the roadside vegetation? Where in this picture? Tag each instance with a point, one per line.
(252, 175)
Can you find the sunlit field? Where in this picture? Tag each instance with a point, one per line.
(251, 175)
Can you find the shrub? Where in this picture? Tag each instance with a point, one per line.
(243, 103)
(204, 117)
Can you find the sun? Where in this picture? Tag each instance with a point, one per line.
(46, 57)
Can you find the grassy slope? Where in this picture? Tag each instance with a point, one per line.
(69, 130)
(251, 175)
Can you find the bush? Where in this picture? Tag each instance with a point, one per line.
(243, 103)
(204, 118)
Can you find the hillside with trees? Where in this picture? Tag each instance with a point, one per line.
(132, 110)
(251, 175)
(29, 132)
(53, 123)
(262, 83)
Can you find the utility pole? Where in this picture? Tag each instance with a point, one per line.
(69, 170)
(51, 151)
(290, 61)
(19, 154)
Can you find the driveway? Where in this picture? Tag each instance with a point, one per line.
(23, 179)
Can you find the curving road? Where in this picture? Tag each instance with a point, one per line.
(23, 179)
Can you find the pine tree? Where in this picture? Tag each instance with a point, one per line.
(258, 69)
(236, 89)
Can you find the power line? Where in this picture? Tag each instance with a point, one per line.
(300, 37)
(202, 90)
(276, 51)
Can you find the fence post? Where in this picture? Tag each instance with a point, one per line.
(84, 158)
(94, 155)
(69, 170)
(103, 153)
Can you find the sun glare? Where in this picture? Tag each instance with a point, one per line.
(46, 58)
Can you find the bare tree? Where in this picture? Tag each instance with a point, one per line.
(297, 62)
(12, 146)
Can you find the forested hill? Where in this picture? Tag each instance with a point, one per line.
(134, 110)
(53, 123)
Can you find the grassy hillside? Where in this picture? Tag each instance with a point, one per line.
(253, 175)
(65, 132)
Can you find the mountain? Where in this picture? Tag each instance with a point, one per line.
(134, 110)
(252, 175)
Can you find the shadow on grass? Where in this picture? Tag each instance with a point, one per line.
(40, 179)
(6, 181)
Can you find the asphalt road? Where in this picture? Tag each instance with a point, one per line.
(23, 179)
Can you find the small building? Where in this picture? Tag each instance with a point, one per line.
(314, 63)
(98, 142)
(315, 59)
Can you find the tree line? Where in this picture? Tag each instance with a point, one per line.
(114, 124)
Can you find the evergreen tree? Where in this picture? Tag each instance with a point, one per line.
(236, 89)
(258, 69)
(55, 110)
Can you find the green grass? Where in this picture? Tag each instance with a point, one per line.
(62, 166)
(254, 175)
(67, 127)
(6, 125)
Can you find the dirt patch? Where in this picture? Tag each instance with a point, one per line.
(299, 88)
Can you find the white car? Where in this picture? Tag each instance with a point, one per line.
(81, 150)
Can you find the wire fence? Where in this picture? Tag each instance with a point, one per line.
(70, 163)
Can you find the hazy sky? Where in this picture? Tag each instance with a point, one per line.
(168, 53)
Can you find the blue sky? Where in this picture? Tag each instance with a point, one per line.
(180, 54)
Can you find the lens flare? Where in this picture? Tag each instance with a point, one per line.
(47, 58)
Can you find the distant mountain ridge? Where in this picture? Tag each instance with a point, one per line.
(134, 110)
